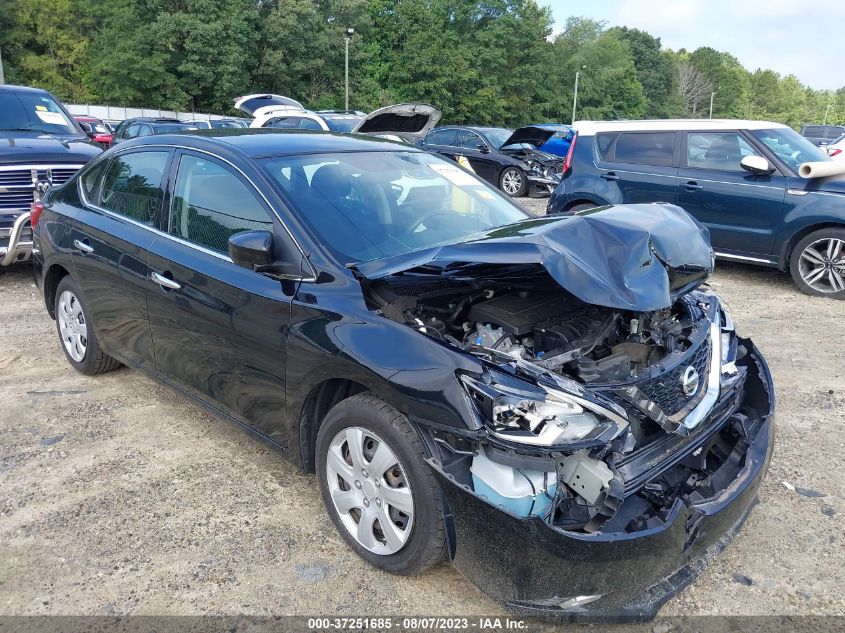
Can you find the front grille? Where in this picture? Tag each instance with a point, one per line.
(18, 183)
(667, 390)
(16, 178)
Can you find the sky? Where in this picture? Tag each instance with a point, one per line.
(787, 36)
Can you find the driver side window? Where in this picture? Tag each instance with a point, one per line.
(721, 151)
(469, 139)
(210, 204)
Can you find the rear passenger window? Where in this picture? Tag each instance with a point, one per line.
(132, 186)
(441, 137)
(603, 143)
(211, 203)
(646, 148)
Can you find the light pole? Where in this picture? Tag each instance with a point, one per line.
(2, 80)
(575, 98)
(712, 94)
(349, 33)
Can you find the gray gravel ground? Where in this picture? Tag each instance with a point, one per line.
(119, 497)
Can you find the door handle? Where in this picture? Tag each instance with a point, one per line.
(610, 176)
(165, 282)
(85, 247)
(691, 186)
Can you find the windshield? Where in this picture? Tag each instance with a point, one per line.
(370, 205)
(341, 122)
(34, 111)
(792, 148)
(497, 136)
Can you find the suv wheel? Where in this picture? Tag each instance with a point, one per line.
(818, 264)
(76, 333)
(377, 488)
(512, 182)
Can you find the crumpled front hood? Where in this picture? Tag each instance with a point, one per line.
(637, 257)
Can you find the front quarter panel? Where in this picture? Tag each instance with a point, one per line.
(805, 207)
(334, 335)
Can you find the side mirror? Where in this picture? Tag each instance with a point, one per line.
(756, 165)
(483, 148)
(251, 249)
(86, 127)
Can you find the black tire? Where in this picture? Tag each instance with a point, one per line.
(94, 361)
(512, 175)
(426, 543)
(832, 273)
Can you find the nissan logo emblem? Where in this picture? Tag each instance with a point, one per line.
(689, 381)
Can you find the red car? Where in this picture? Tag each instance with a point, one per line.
(100, 132)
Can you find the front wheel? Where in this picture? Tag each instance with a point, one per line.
(513, 182)
(817, 264)
(377, 488)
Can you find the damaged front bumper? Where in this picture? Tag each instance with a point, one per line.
(533, 567)
(541, 185)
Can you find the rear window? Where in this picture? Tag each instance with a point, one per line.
(646, 148)
(820, 131)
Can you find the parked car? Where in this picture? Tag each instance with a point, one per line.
(218, 124)
(505, 158)
(821, 134)
(836, 148)
(405, 121)
(341, 120)
(40, 146)
(576, 425)
(740, 179)
(96, 129)
(148, 126)
(557, 142)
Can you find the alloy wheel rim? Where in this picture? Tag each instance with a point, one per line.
(822, 265)
(512, 181)
(369, 490)
(72, 325)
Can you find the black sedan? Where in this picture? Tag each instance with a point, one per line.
(552, 403)
(504, 158)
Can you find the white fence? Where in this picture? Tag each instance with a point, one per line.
(120, 113)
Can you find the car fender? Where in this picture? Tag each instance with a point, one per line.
(803, 213)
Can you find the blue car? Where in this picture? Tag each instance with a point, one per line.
(557, 142)
(742, 180)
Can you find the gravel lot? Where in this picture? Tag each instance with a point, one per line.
(117, 496)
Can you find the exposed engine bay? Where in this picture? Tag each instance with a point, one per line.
(596, 419)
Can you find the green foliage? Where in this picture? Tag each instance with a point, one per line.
(480, 61)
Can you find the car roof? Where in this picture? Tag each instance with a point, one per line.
(12, 88)
(590, 128)
(264, 142)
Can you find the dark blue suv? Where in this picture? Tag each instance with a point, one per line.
(740, 179)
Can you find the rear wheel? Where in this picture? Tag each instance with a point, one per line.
(377, 488)
(512, 181)
(817, 264)
(79, 343)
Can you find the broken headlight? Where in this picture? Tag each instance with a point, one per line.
(542, 416)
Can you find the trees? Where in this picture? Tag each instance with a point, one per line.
(694, 89)
(480, 61)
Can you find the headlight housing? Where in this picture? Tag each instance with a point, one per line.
(538, 415)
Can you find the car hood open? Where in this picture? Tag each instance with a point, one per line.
(532, 134)
(629, 257)
(410, 121)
